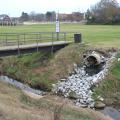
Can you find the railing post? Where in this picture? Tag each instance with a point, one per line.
(18, 38)
(41, 37)
(57, 35)
(37, 36)
(24, 38)
(52, 43)
(6, 39)
(65, 37)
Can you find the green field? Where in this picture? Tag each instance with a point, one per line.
(97, 35)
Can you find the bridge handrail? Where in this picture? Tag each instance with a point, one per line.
(7, 39)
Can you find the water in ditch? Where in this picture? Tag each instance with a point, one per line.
(112, 112)
(20, 85)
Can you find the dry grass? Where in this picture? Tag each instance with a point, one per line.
(11, 108)
(64, 105)
(63, 63)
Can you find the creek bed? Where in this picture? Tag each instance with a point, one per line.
(20, 85)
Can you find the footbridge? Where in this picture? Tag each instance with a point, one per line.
(21, 43)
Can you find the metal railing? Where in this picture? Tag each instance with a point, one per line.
(13, 39)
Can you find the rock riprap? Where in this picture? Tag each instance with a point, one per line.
(78, 85)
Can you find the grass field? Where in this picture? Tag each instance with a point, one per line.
(97, 35)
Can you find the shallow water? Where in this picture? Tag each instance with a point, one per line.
(20, 85)
(112, 112)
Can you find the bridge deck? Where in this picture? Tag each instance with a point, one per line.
(34, 45)
(50, 46)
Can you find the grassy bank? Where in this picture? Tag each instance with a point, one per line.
(97, 35)
(109, 88)
(40, 70)
(14, 105)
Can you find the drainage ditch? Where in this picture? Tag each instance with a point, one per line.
(78, 85)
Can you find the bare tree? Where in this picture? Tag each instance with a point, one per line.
(103, 11)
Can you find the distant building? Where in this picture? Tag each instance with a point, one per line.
(5, 20)
(73, 17)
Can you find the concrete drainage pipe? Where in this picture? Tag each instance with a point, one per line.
(93, 59)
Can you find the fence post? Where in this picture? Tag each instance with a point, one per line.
(18, 38)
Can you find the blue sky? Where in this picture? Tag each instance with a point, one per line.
(16, 7)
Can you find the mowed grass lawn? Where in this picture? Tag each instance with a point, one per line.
(97, 35)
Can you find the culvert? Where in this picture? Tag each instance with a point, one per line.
(81, 82)
(92, 59)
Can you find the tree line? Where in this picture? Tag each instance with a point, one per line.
(104, 12)
(51, 16)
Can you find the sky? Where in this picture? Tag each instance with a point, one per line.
(14, 8)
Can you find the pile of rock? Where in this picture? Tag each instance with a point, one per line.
(78, 85)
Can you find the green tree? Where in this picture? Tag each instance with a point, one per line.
(89, 17)
(24, 17)
(116, 19)
(50, 16)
